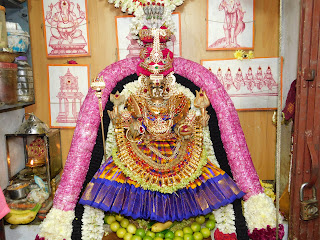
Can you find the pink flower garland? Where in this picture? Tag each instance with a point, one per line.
(85, 134)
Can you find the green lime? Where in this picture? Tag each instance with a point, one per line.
(197, 236)
(150, 234)
(124, 223)
(188, 237)
(141, 232)
(195, 227)
(114, 226)
(178, 238)
(158, 238)
(147, 238)
(210, 224)
(187, 230)
(169, 234)
(211, 217)
(205, 232)
(121, 232)
(127, 236)
(136, 237)
(178, 233)
(200, 219)
(109, 219)
(131, 228)
(119, 217)
(159, 235)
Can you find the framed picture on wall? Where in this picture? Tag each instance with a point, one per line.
(129, 47)
(68, 86)
(252, 84)
(66, 28)
(230, 24)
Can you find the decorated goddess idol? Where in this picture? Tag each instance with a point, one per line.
(174, 156)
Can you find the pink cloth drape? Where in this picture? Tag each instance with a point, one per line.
(4, 209)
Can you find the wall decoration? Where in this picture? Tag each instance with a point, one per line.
(129, 47)
(66, 28)
(252, 84)
(68, 86)
(230, 24)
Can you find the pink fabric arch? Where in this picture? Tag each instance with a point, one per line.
(85, 134)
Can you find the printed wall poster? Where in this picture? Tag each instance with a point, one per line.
(252, 84)
(68, 86)
(129, 47)
(230, 24)
(66, 28)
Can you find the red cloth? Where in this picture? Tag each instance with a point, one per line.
(4, 209)
(289, 109)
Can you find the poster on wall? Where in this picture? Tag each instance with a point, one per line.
(66, 28)
(129, 47)
(252, 84)
(230, 24)
(68, 86)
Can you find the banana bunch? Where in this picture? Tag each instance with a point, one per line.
(17, 217)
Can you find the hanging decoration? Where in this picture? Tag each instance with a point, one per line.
(230, 24)
(252, 84)
(68, 85)
(66, 28)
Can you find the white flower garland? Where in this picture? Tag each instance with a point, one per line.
(57, 225)
(92, 223)
(225, 219)
(135, 7)
(259, 211)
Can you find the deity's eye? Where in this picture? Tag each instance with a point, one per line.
(164, 62)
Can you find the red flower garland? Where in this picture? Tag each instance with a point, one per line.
(266, 234)
(222, 236)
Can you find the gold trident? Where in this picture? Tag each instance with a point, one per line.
(98, 85)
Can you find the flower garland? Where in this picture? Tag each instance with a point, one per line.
(136, 7)
(260, 212)
(92, 223)
(57, 225)
(225, 219)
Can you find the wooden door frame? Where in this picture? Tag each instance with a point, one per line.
(307, 121)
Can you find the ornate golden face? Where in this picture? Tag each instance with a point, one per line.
(156, 86)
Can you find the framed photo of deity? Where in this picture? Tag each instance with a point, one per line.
(230, 24)
(129, 47)
(66, 28)
(68, 87)
(252, 84)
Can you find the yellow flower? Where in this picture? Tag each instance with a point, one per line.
(239, 54)
(250, 55)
